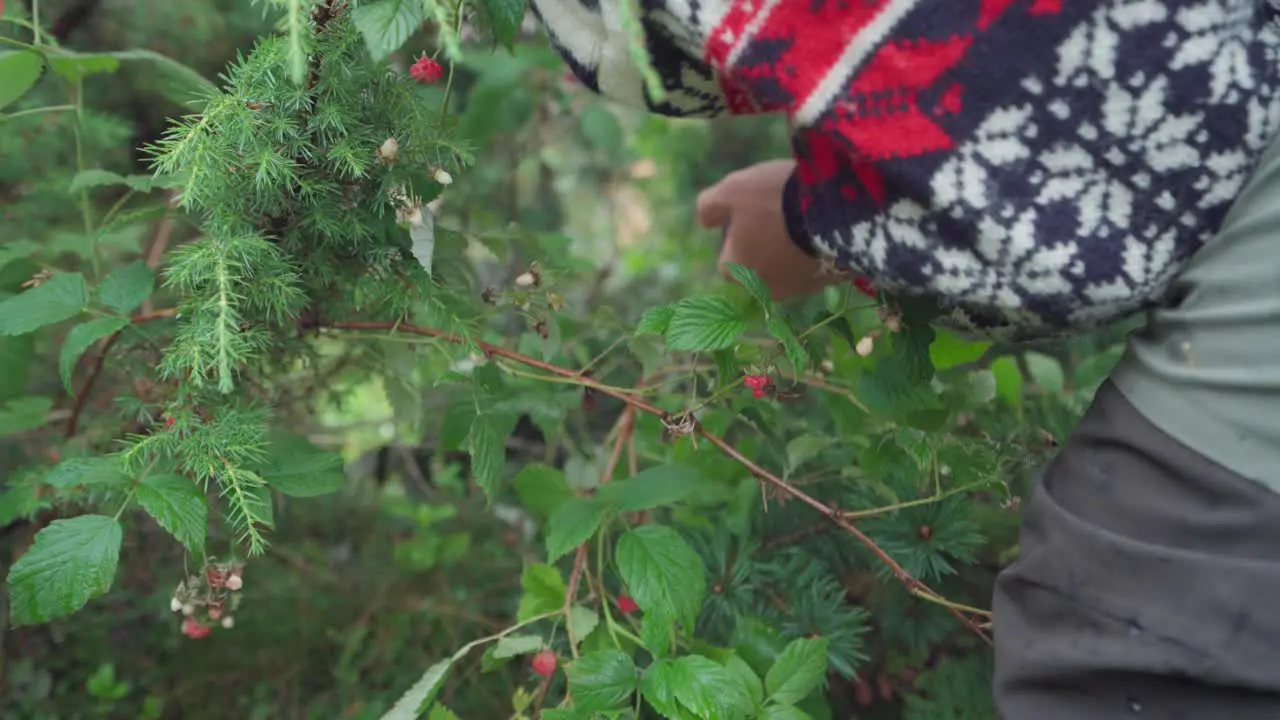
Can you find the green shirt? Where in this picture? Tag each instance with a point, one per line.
(1206, 370)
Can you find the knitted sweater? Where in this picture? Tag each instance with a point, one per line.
(1037, 166)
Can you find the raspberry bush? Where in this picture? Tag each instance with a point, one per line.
(746, 510)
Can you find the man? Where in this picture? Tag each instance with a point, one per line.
(1041, 167)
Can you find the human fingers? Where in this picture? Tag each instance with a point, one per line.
(713, 207)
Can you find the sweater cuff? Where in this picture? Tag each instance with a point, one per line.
(794, 217)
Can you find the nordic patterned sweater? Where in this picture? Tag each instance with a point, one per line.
(1038, 166)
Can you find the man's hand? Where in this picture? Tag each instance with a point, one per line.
(747, 204)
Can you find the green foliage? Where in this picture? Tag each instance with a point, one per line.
(71, 562)
(685, 542)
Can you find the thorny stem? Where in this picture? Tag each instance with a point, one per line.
(916, 586)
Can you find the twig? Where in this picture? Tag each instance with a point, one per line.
(87, 388)
(912, 584)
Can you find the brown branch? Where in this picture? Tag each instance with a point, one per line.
(912, 584)
(87, 388)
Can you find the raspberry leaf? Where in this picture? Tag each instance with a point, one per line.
(70, 562)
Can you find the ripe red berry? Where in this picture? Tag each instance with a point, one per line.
(865, 285)
(544, 663)
(759, 384)
(215, 577)
(168, 422)
(426, 71)
(627, 604)
(195, 629)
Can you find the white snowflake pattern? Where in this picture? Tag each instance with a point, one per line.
(901, 225)
(1007, 262)
(999, 141)
(1073, 175)
(1141, 122)
(1147, 267)
(1215, 39)
(1089, 52)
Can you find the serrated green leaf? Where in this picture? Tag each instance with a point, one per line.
(93, 178)
(300, 469)
(96, 470)
(80, 339)
(655, 632)
(694, 686)
(1046, 372)
(799, 670)
(178, 505)
(20, 501)
(541, 489)
(411, 704)
(658, 686)
(602, 680)
(544, 591)
(565, 714)
(703, 323)
(652, 487)
(583, 620)
(19, 71)
(804, 448)
(23, 414)
(747, 678)
(16, 250)
(488, 449)
(440, 712)
(664, 574)
(127, 287)
(791, 345)
(753, 284)
(514, 645)
(784, 712)
(74, 66)
(387, 24)
(655, 320)
(59, 298)
(573, 524)
(504, 18)
(757, 642)
(70, 562)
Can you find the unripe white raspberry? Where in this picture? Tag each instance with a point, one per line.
(175, 604)
(443, 177)
(228, 622)
(526, 280)
(865, 346)
(234, 583)
(188, 609)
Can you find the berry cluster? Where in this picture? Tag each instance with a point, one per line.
(759, 384)
(208, 599)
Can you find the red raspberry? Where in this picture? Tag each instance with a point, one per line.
(759, 384)
(426, 71)
(216, 578)
(627, 605)
(865, 285)
(544, 663)
(195, 629)
(168, 422)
